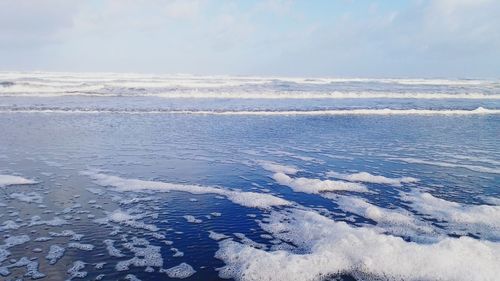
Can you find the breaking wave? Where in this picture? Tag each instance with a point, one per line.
(14, 91)
(40, 84)
(386, 111)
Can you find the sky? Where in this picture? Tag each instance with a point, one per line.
(317, 38)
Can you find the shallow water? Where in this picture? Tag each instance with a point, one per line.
(82, 164)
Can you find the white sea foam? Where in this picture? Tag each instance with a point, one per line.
(145, 255)
(475, 168)
(80, 246)
(180, 271)
(99, 91)
(75, 270)
(332, 112)
(123, 184)
(327, 248)
(177, 252)
(485, 160)
(124, 218)
(31, 268)
(136, 200)
(247, 241)
(43, 239)
(395, 221)
(256, 200)
(491, 200)
(481, 220)
(55, 253)
(56, 221)
(131, 277)
(6, 180)
(369, 178)
(29, 197)
(247, 199)
(308, 185)
(192, 219)
(9, 225)
(95, 191)
(278, 168)
(217, 236)
(10, 242)
(112, 250)
(67, 233)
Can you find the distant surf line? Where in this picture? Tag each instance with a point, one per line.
(333, 112)
(277, 95)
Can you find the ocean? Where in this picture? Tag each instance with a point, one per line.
(159, 177)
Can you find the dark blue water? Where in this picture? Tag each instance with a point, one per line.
(220, 151)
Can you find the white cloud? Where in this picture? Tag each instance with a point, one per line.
(280, 7)
(183, 9)
(28, 23)
(268, 37)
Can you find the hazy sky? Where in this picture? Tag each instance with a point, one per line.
(440, 38)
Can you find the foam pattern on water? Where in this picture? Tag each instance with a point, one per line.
(249, 179)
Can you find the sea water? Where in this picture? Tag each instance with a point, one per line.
(154, 177)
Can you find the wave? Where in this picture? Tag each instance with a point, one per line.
(98, 91)
(75, 76)
(386, 111)
(42, 84)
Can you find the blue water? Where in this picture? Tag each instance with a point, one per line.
(53, 148)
